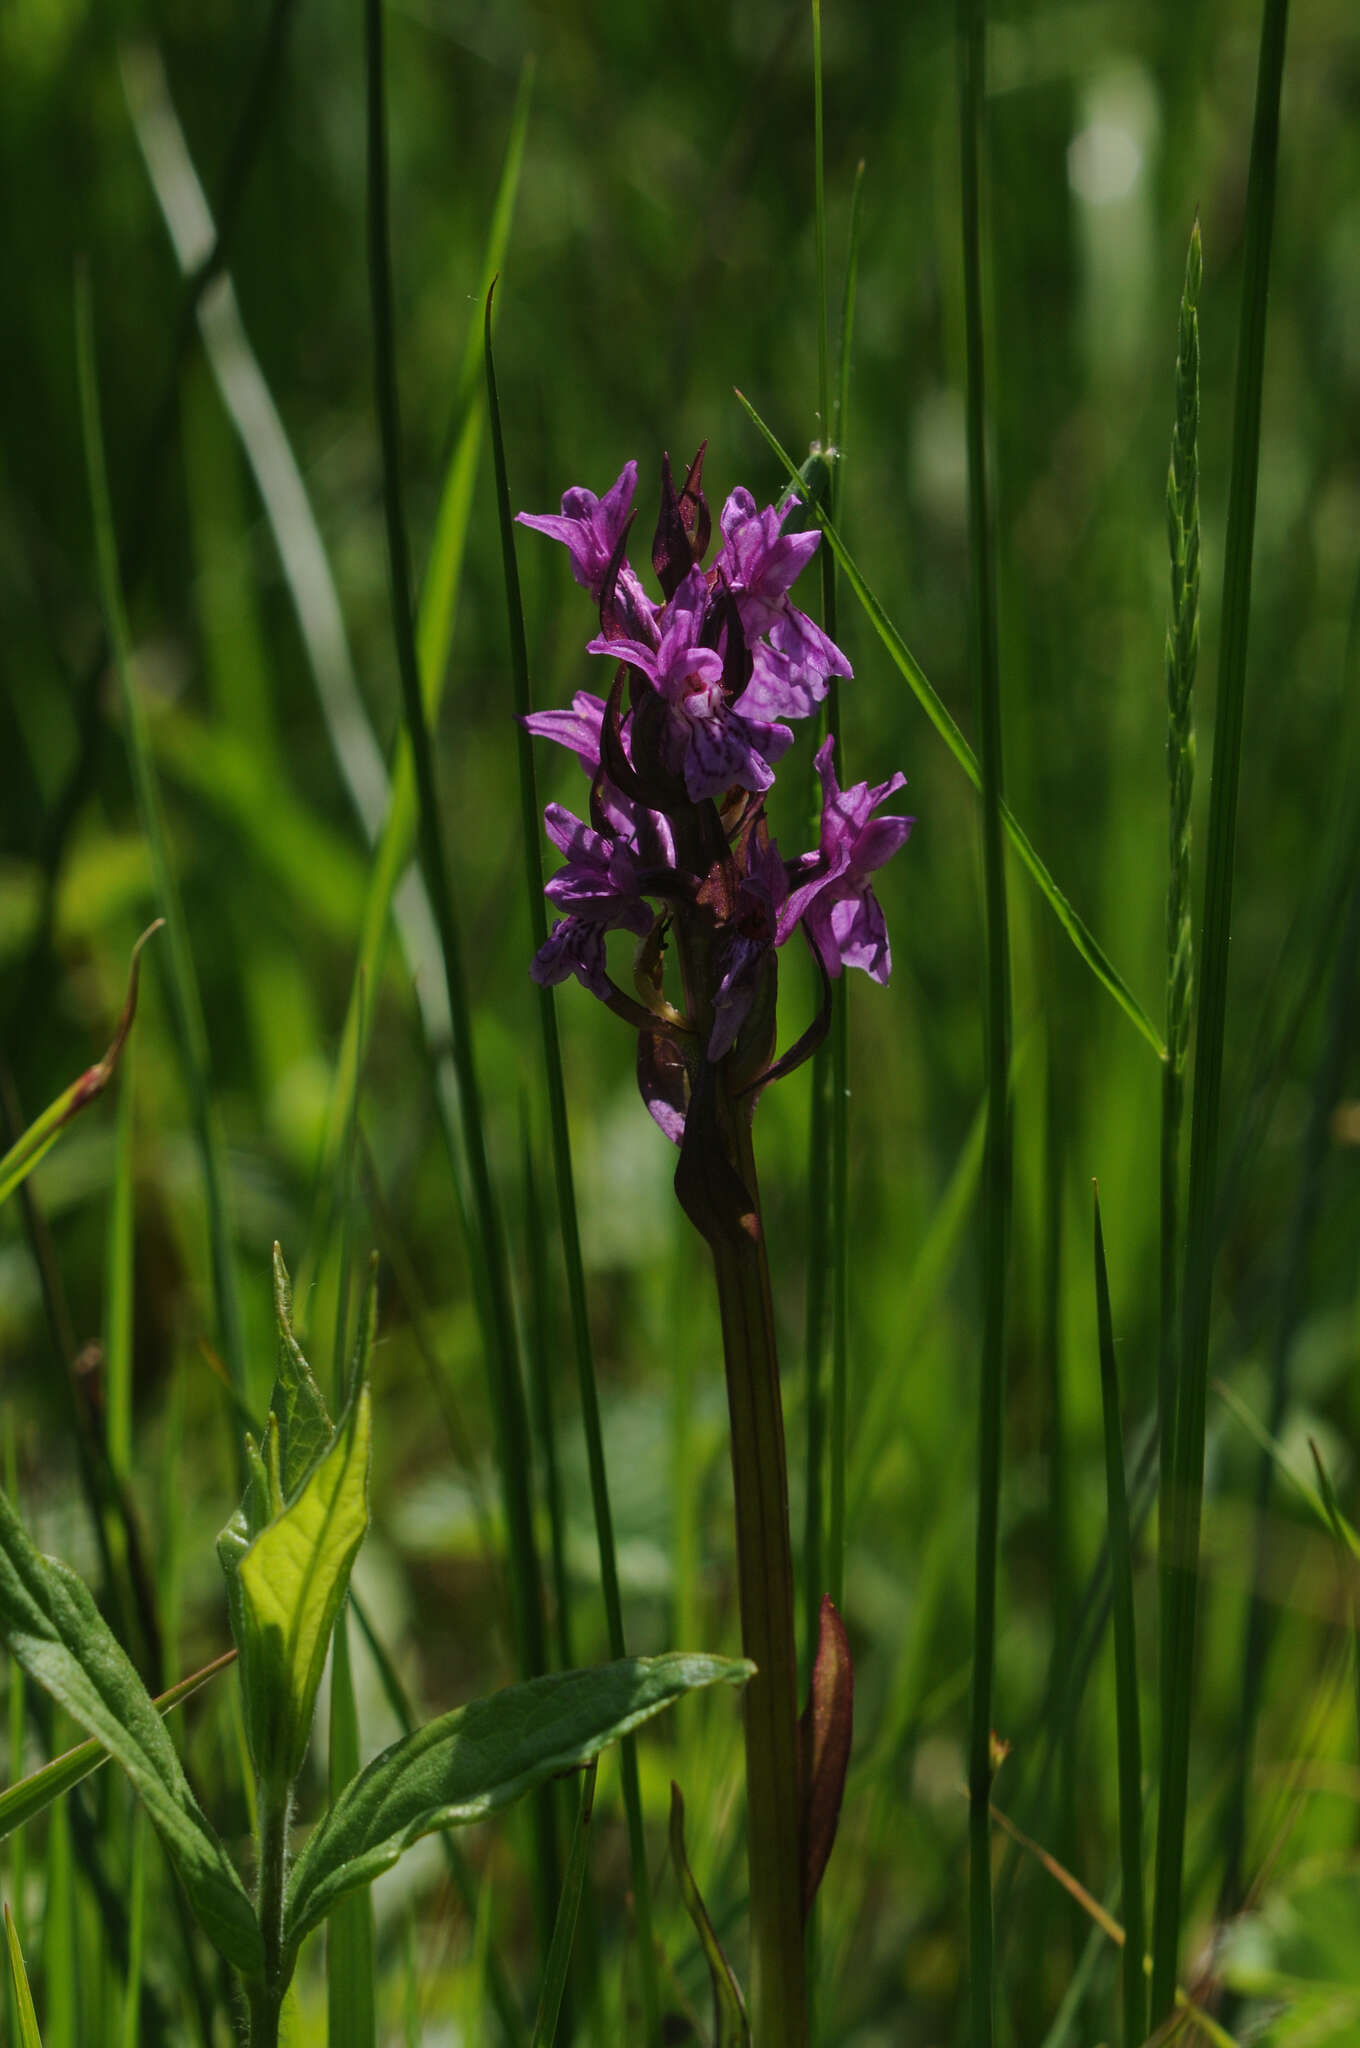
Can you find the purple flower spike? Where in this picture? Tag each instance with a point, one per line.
(832, 893)
(715, 745)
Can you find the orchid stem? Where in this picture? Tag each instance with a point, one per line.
(765, 1580)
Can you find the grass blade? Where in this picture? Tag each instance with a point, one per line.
(565, 1185)
(996, 1196)
(569, 1905)
(29, 2037)
(24, 1154)
(938, 714)
(186, 1007)
(1182, 650)
(351, 1966)
(1188, 1465)
(511, 1420)
(1125, 1664)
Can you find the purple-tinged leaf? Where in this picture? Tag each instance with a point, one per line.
(827, 1728)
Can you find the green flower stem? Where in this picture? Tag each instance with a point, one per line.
(765, 1581)
(266, 1992)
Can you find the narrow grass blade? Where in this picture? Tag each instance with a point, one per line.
(119, 1287)
(1196, 1290)
(186, 1007)
(1328, 1082)
(565, 1186)
(351, 1965)
(1182, 652)
(569, 1906)
(938, 714)
(512, 1449)
(513, 1452)
(538, 1348)
(731, 2028)
(24, 1798)
(132, 1990)
(29, 2037)
(44, 1131)
(1126, 1665)
(996, 1169)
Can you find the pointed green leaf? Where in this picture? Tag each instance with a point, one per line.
(480, 1757)
(290, 1583)
(29, 2037)
(303, 1420)
(55, 1631)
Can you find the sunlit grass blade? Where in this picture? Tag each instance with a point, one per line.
(565, 1186)
(938, 714)
(1196, 1289)
(996, 1165)
(1126, 1665)
(25, 1797)
(564, 1928)
(186, 1007)
(44, 1131)
(29, 2037)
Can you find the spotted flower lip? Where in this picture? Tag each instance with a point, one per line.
(794, 659)
(832, 894)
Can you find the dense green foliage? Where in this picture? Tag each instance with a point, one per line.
(661, 252)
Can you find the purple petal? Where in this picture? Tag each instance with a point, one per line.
(574, 946)
(588, 527)
(861, 934)
(578, 729)
(721, 752)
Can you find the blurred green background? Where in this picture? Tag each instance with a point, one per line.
(662, 251)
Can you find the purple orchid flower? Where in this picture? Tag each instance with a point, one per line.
(832, 894)
(754, 925)
(793, 658)
(600, 890)
(590, 529)
(716, 746)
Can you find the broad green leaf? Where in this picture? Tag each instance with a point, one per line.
(24, 1800)
(291, 1581)
(44, 1131)
(480, 1757)
(29, 2037)
(731, 2028)
(55, 1631)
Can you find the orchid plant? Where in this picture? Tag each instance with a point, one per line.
(680, 757)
